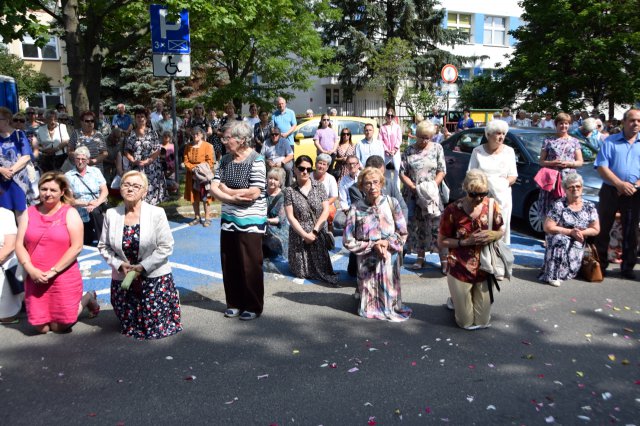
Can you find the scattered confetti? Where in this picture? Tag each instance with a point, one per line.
(599, 310)
(526, 342)
(557, 382)
(372, 349)
(606, 396)
(612, 357)
(190, 378)
(573, 312)
(628, 330)
(232, 401)
(413, 363)
(585, 418)
(579, 373)
(333, 365)
(324, 365)
(264, 376)
(168, 357)
(491, 407)
(372, 421)
(353, 370)
(368, 404)
(92, 414)
(296, 352)
(625, 362)
(549, 419)
(470, 398)
(490, 365)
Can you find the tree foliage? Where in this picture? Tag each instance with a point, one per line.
(366, 29)
(574, 51)
(30, 82)
(418, 100)
(483, 92)
(255, 51)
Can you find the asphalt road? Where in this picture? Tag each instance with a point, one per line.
(565, 355)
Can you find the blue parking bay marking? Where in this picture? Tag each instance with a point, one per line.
(196, 260)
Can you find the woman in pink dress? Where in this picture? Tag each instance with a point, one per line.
(48, 243)
(391, 137)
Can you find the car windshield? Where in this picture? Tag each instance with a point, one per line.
(533, 143)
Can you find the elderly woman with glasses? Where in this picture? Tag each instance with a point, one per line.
(464, 229)
(88, 136)
(307, 209)
(375, 231)
(137, 243)
(345, 149)
(90, 191)
(276, 239)
(569, 222)
(498, 162)
(53, 139)
(239, 184)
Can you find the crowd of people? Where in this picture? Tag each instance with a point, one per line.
(388, 200)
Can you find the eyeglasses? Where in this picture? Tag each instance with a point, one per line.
(390, 115)
(346, 134)
(275, 134)
(304, 169)
(326, 119)
(354, 164)
(573, 187)
(478, 194)
(371, 183)
(89, 121)
(134, 186)
(226, 138)
(19, 120)
(83, 160)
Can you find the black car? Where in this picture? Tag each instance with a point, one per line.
(527, 143)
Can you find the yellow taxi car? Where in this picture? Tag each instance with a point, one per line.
(304, 132)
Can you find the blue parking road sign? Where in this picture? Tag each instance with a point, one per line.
(169, 37)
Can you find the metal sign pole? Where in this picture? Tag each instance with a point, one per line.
(176, 145)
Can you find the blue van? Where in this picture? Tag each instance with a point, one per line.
(8, 93)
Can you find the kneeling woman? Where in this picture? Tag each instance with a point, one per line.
(569, 222)
(375, 231)
(136, 237)
(464, 229)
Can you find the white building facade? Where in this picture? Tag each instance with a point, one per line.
(487, 23)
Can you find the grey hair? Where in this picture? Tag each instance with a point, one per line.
(198, 129)
(571, 179)
(83, 150)
(324, 157)
(589, 124)
(278, 173)
(333, 111)
(309, 112)
(496, 126)
(475, 181)
(49, 113)
(239, 130)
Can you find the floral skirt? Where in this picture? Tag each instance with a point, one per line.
(150, 309)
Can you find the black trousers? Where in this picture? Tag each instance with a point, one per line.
(629, 207)
(241, 256)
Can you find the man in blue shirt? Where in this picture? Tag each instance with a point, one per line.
(618, 164)
(278, 153)
(121, 120)
(284, 119)
(466, 122)
(368, 146)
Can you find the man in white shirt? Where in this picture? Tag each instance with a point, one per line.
(506, 116)
(368, 146)
(547, 122)
(343, 191)
(156, 115)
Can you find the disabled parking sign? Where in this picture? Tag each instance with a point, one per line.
(170, 43)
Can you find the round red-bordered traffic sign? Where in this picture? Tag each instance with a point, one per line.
(449, 73)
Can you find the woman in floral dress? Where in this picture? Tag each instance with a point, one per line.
(137, 238)
(422, 161)
(563, 153)
(345, 149)
(307, 210)
(375, 231)
(569, 222)
(142, 149)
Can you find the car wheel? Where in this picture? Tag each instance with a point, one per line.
(535, 218)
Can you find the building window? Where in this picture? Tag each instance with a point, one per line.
(336, 96)
(48, 51)
(460, 21)
(327, 97)
(494, 30)
(464, 74)
(46, 100)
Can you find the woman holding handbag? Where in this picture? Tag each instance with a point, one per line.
(570, 221)
(53, 139)
(307, 210)
(464, 230)
(90, 192)
(48, 244)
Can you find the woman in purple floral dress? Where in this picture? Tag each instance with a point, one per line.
(563, 153)
(375, 231)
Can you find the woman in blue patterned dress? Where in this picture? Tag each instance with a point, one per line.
(563, 153)
(276, 239)
(239, 183)
(15, 153)
(137, 238)
(375, 231)
(569, 222)
(142, 149)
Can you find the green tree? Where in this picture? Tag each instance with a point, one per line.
(418, 100)
(366, 29)
(256, 51)
(29, 81)
(572, 52)
(483, 92)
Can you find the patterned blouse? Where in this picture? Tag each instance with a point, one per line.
(464, 262)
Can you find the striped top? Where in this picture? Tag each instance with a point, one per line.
(251, 172)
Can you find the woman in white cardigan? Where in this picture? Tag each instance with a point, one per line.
(136, 238)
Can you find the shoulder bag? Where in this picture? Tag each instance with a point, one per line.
(496, 258)
(97, 214)
(590, 269)
(329, 239)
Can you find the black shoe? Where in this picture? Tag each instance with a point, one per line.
(628, 274)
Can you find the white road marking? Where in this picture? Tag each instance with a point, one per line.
(196, 270)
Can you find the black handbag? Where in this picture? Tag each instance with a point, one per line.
(15, 282)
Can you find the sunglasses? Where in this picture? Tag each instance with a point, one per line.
(346, 134)
(325, 119)
(572, 187)
(478, 194)
(89, 121)
(390, 115)
(19, 120)
(275, 134)
(305, 169)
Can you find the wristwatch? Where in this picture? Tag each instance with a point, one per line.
(315, 232)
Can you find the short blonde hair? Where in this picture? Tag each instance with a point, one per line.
(475, 181)
(368, 171)
(132, 173)
(278, 173)
(426, 128)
